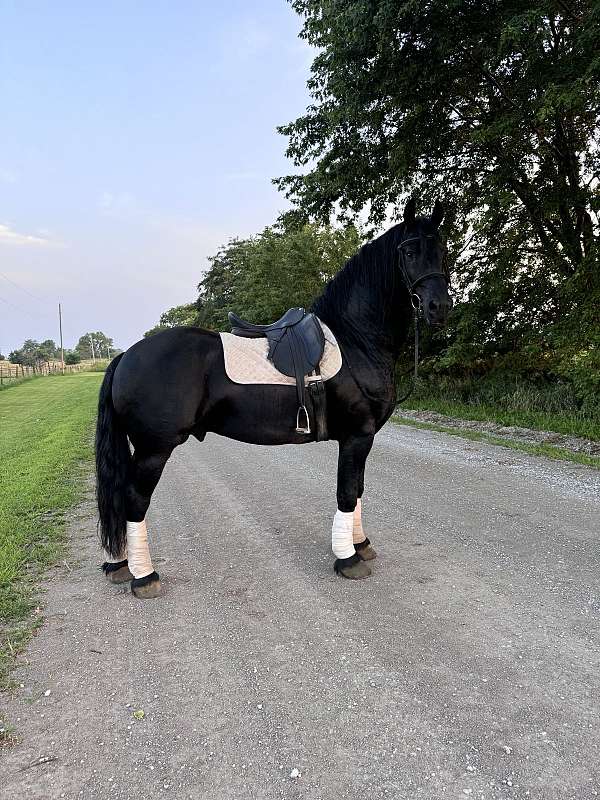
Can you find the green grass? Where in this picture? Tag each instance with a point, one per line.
(566, 423)
(45, 456)
(9, 384)
(547, 450)
(507, 400)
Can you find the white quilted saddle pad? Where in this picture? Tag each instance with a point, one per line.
(246, 359)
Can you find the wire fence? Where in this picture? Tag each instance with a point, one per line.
(17, 372)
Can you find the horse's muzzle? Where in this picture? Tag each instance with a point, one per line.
(436, 311)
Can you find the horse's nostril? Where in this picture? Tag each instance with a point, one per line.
(433, 305)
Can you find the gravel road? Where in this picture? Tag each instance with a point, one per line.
(467, 666)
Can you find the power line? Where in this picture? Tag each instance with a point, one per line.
(22, 288)
(24, 310)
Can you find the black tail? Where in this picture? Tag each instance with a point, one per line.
(113, 458)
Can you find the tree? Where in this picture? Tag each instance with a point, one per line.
(493, 106)
(183, 315)
(500, 105)
(96, 345)
(219, 288)
(33, 352)
(261, 277)
(47, 350)
(72, 357)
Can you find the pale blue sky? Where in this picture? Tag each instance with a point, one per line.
(135, 138)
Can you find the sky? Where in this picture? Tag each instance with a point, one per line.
(135, 139)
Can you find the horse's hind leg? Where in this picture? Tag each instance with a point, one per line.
(362, 544)
(117, 569)
(145, 474)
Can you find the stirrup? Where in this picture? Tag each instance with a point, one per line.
(306, 429)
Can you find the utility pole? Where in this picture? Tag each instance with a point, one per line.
(62, 349)
(92, 346)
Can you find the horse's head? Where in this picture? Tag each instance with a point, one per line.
(422, 259)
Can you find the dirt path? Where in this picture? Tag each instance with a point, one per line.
(468, 665)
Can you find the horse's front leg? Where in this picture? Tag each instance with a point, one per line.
(351, 463)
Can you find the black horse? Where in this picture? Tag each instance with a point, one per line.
(173, 385)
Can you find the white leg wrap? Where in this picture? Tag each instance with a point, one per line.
(358, 535)
(341, 534)
(140, 563)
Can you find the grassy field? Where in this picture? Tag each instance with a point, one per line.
(565, 422)
(546, 450)
(507, 401)
(45, 459)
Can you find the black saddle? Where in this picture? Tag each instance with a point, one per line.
(296, 344)
(243, 328)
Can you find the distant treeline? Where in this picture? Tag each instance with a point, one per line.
(94, 344)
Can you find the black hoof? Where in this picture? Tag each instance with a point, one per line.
(147, 587)
(365, 550)
(117, 572)
(353, 568)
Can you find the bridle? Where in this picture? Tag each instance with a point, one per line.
(411, 284)
(415, 300)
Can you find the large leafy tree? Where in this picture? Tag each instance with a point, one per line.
(493, 106)
(281, 267)
(186, 314)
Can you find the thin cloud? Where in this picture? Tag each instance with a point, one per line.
(116, 204)
(244, 175)
(302, 55)
(7, 176)
(12, 237)
(245, 41)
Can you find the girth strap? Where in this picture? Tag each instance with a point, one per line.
(316, 392)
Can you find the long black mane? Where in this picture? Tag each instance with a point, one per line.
(367, 298)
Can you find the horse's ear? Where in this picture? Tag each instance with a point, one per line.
(409, 211)
(437, 215)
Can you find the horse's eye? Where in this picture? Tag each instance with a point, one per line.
(410, 254)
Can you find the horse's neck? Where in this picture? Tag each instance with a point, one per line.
(371, 331)
(374, 326)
